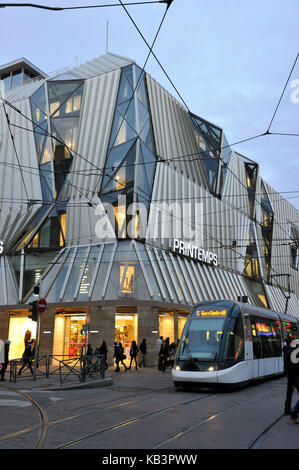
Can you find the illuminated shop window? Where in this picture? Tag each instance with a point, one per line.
(128, 286)
(166, 326)
(120, 217)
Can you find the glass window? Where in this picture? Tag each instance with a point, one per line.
(128, 285)
(235, 340)
(166, 326)
(6, 81)
(17, 78)
(203, 339)
(266, 338)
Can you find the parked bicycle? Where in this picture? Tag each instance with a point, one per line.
(92, 366)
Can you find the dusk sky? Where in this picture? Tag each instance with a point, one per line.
(228, 59)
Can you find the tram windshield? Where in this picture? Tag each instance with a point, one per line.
(202, 339)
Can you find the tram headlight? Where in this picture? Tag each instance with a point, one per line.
(211, 369)
(177, 368)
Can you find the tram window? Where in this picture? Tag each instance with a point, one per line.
(266, 338)
(290, 329)
(203, 338)
(256, 343)
(235, 341)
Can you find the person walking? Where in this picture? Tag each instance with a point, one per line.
(134, 350)
(103, 350)
(26, 359)
(292, 372)
(142, 349)
(5, 363)
(119, 356)
(164, 354)
(158, 349)
(172, 351)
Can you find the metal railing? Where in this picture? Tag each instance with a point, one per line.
(67, 367)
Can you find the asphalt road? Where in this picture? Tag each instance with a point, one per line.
(142, 410)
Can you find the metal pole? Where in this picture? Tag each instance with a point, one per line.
(36, 344)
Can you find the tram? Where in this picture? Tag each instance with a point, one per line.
(228, 343)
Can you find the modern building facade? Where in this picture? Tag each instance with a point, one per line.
(126, 209)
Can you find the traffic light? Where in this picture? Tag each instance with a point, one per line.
(33, 310)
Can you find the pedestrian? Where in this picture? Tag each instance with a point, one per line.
(158, 349)
(119, 356)
(142, 349)
(5, 363)
(27, 336)
(172, 351)
(27, 359)
(164, 354)
(103, 350)
(134, 350)
(33, 352)
(89, 351)
(292, 373)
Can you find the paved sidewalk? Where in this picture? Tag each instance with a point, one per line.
(145, 377)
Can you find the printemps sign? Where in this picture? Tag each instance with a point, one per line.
(194, 252)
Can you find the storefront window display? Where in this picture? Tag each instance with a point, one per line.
(166, 326)
(126, 330)
(21, 328)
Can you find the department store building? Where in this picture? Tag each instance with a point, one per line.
(126, 209)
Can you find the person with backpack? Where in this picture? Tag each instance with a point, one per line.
(134, 350)
(119, 356)
(27, 358)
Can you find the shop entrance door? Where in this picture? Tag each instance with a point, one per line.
(126, 330)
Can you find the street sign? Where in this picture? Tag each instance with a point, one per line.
(41, 305)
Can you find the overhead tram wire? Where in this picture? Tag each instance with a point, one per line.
(14, 147)
(168, 4)
(282, 94)
(138, 82)
(81, 7)
(184, 102)
(89, 202)
(220, 158)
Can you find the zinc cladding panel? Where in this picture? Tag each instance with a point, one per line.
(173, 132)
(96, 118)
(101, 65)
(221, 223)
(19, 174)
(284, 215)
(277, 300)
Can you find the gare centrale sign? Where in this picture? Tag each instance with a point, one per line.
(194, 252)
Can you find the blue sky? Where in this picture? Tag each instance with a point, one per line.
(228, 59)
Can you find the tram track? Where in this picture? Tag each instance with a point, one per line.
(130, 400)
(254, 444)
(50, 424)
(131, 421)
(42, 427)
(178, 434)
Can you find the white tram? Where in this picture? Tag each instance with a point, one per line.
(228, 343)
